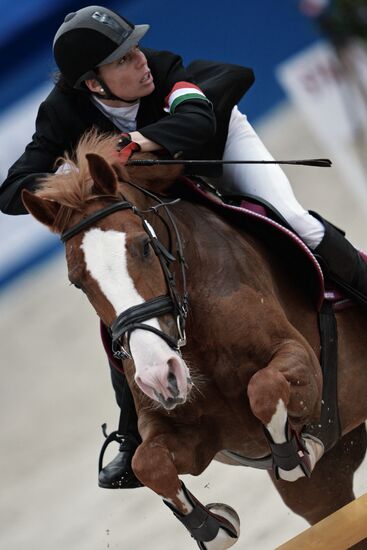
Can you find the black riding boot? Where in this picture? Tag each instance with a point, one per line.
(341, 262)
(118, 473)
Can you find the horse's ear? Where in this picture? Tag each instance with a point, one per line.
(158, 178)
(104, 178)
(44, 210)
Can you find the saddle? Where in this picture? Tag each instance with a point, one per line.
(264, 221)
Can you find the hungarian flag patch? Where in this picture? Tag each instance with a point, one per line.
(182, 91)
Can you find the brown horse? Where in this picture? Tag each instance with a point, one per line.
(252, 355)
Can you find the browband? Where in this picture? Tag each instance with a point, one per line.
(90, 220)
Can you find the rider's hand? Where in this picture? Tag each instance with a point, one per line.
(126, 147)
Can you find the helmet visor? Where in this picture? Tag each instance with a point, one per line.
(130, 40)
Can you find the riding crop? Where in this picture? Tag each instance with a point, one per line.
(323, 163)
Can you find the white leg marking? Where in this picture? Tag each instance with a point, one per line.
(277, 427)
(184, 501)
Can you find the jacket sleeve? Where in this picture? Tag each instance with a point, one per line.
(37, 160)
(190, 124)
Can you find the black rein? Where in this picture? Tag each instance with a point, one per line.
(133, 318)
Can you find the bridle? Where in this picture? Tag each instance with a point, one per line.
(134, 317)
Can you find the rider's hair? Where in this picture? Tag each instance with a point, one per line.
(63, 84)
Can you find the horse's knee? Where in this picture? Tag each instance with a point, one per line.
(153, 465)
(265, 389)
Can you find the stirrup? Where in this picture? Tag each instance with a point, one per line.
(113, 436)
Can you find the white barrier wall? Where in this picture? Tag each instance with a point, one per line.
(23, 240)
(330, 93)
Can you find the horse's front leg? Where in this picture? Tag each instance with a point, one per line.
(285, 396)
(215, 526)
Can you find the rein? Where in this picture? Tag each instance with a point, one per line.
(133, 318)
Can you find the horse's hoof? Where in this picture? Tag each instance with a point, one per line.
(223, 540)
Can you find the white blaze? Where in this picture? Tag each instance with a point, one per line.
(106, 261)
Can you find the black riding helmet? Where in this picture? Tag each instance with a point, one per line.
(91, 37)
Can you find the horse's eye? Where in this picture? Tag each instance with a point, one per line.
(78, 286)
(146, 248)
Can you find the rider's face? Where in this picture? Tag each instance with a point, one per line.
(128, 77)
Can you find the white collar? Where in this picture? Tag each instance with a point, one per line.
(128, 112)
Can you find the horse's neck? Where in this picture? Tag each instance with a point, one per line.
(218, 253)
(135, 196)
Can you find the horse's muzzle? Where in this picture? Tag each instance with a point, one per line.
(167, 382)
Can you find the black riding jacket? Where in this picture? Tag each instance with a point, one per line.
(197, 129)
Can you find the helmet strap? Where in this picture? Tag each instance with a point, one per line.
(110, 95)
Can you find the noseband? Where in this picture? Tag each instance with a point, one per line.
(133, 318)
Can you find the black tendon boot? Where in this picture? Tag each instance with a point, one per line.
(341, 262)
(118, 474)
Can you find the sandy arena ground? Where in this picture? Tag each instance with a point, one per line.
(55, 393)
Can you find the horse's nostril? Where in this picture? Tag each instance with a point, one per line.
(173, 385)
(171, 377)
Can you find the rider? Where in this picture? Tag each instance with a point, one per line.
(108, 82)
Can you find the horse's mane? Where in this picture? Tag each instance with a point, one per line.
(72, 188)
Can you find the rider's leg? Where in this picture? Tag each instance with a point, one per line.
(268, 182)
(342, 262)
(118, 473)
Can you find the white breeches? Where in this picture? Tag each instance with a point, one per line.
(267, 181)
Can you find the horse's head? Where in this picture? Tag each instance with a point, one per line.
(114, 256)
